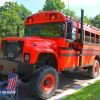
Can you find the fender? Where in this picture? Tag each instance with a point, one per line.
(36, 46)
(39, 51)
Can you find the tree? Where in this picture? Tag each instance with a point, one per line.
(70, 13)
(19, 9)
(12, 15)
(8, 23)
(96, 21)
(86, 20)
(54, 5)
(40, 10)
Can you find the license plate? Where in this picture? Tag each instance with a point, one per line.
(11, 55)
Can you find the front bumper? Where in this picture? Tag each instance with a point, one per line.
(23, 69)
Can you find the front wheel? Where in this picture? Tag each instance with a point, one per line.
(93, 71)
(44, 82)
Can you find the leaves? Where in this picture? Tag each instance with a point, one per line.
(96, 21)
(14, 7)
(70, 13)
(11, 15)
(54, 5)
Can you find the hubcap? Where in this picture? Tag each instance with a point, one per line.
(48, 83)
(96, 69)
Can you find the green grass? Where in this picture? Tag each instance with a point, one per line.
(91, 92)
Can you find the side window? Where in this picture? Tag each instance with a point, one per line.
(87, 36)
(97, 39)
(92, 37)
(74, 33)
(63, 31)
(79, 33)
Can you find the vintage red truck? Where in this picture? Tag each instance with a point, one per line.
(47, 49)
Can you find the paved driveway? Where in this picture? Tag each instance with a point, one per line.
(66, 82)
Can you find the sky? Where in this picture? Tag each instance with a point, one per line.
(91, 7)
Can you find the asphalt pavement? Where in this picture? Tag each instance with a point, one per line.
(66, 81)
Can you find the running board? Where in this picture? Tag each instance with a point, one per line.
(76, 68)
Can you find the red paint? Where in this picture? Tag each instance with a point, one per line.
(96, 69)
(50, 85)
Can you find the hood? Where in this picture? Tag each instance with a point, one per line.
(35, 41)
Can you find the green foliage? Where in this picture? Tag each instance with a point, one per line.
(14, 7)
(96, 21)
(40, 10)
(86, 20)
(11, 15)
(54, 5)
(70, 13)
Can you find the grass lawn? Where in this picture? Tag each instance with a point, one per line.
(91, 92)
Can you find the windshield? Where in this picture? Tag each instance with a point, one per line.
(45, 29)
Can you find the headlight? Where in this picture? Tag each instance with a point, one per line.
(26, 57)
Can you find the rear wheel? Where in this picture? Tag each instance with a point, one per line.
(93, 71)
(44, 82)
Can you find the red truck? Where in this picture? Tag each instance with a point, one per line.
(47, 48)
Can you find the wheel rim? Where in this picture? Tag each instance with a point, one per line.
(96, 69)
(48, 83)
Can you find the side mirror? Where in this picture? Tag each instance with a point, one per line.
(69, 26)
(69, 29)
(69, 35)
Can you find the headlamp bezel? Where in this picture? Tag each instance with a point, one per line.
(26, 54)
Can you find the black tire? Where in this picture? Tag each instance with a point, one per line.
(44, 82)
(93, 71)
(25, 79)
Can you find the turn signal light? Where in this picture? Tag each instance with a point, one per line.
(30, 20)
(53, 16)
